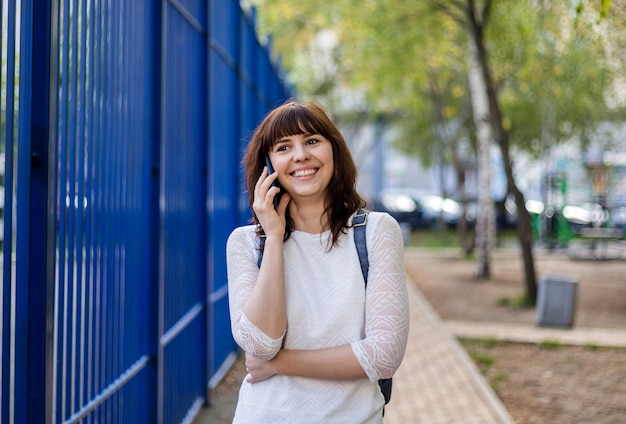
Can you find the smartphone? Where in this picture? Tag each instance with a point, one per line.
(270, 170)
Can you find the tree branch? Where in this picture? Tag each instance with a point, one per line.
(458, 16)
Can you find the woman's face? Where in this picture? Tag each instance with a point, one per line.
(304, 164)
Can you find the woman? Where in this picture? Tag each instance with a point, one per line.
(316, 340)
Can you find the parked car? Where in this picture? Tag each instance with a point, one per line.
(585, 215)
(506, 216)
(420, 209)
(401, 206)
(436, 206)
(617, 217)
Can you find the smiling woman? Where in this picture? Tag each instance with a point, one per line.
(316, 341)
(304, 166)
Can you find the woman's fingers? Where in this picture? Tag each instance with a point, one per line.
(263, 192)
(257, 369)
(283, 203)
(271, 219)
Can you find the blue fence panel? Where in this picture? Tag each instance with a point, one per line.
(182, 316)
(223, 178)
(122, 133)
(238, 100)
(102, 344)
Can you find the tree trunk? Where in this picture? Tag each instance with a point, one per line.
(467, 243)
(524, 226)
(484, 215)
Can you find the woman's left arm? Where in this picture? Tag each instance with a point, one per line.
(387, 303)
(333, 363)
(380, 353)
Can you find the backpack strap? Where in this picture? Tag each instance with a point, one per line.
(358, 223)
(261, 250)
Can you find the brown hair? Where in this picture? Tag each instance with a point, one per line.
(295, 118)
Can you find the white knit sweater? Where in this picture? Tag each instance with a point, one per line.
(327, 305)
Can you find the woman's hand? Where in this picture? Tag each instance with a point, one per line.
(272, 220)
(258, 369)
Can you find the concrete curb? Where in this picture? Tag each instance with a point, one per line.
(524, 333)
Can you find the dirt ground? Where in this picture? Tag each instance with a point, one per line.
(537, 383)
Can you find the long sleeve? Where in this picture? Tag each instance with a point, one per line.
(242, 274)
(387, 307)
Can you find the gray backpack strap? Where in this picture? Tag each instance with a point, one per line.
(261, 249)
(358, 223)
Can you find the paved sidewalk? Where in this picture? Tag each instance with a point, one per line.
(437, 381)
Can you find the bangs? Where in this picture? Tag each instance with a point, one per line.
(293, 120)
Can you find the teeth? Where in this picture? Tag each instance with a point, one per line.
(304, 173)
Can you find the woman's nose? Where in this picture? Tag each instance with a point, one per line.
(300, 154)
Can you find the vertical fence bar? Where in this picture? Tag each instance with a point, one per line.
(11, 301)
(81, 236)
(7, 308)
(161, 279)
(24, 399)
(52, 64)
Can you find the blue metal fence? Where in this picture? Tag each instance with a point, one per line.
(123, 125)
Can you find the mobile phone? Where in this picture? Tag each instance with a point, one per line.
(270, 170)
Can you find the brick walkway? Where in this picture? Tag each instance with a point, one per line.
(437, 381)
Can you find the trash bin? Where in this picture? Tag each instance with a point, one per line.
(556, 300)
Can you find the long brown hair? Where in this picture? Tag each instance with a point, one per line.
(295, 118)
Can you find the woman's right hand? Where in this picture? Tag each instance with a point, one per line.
(272, 220)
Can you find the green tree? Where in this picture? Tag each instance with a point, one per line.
(548, 69)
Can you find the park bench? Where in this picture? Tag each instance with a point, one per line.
(601, 243)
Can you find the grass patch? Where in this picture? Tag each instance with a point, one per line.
(489, 342)
(449, 237)
(550, 344)
(592, 346)
(434, 238)
(495, 380)
(483, 360)
(515, 302)
(478, 352)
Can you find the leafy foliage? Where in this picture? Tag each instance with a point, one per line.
(552, 62)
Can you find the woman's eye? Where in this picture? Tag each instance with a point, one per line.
(312, 141)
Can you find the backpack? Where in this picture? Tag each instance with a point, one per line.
(358, 223)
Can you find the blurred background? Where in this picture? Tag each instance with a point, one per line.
(123, 125)
(397, 79)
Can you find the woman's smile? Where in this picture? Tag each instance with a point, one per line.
(304, 172)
